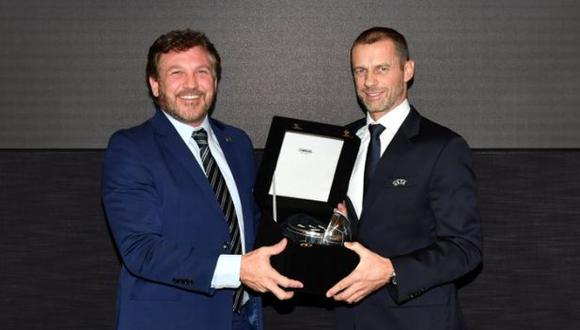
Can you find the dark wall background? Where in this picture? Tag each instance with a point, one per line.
(505, 74)
(58, 267)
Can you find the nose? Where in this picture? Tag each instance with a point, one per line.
(190, 80)
(370, 79)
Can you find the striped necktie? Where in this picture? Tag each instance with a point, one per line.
(224, 199)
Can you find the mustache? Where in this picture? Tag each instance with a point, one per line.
(372, 90)
(190, 92)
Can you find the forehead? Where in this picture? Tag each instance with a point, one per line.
(196, 56)
(382, 51)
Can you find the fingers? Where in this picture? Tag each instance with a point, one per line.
(271, 249)
(294, 284)
(257, 273)
(352, 295)
(357, 248)
(347, 290)
(338, 287)
(277, 283)
(276, 248)
(285, 282)
(279, 293)
(289, 283)
(341, 207)
(354, 246)
(269, 285)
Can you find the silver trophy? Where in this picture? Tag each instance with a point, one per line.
(339, 229)
(307, 230)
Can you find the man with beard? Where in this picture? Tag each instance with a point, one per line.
(413, 192)
(177, 192)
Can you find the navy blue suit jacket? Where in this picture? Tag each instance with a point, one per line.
(421, 211)
(168, 227)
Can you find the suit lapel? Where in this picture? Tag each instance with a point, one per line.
(391, 158)
(227, 146)
(173, 145)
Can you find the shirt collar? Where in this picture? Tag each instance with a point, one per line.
(393, 119)
(185, 131)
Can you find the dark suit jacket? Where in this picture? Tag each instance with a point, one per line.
(421, 211)
(168, 227)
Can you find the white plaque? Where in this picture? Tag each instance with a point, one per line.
(306, 166)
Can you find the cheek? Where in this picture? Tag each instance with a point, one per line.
(163, 88)
(173, 84)
(208, 85)
(390, 81)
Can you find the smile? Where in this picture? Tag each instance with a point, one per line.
(190, 97)
(373, 95)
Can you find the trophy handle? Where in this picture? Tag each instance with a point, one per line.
(339, 229)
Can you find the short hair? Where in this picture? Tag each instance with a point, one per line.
(379, 33)
(179, 41)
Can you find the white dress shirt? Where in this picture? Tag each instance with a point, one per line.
(392, 121)
(227, 271)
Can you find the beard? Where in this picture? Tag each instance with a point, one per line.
(189, 112)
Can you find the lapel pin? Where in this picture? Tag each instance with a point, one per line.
(228, 139)
(399, 182)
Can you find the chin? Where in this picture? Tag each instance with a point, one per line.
(375, 110)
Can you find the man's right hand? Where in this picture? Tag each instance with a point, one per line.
(257, 273)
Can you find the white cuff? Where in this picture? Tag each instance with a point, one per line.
(227, 272)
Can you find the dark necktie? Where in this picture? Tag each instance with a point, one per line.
(224, 199)
(373, 153)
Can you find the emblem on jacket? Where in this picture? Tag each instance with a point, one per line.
(400, 182)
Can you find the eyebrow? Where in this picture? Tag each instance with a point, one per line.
(179, 66)
(360, 67)
(383, 64)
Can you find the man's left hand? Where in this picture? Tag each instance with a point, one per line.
(371, 273)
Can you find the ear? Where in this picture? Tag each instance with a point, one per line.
(409, 70)
(154, 84)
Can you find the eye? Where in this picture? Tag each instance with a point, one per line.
(358, 71)
(383, 68)
(204, 72)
